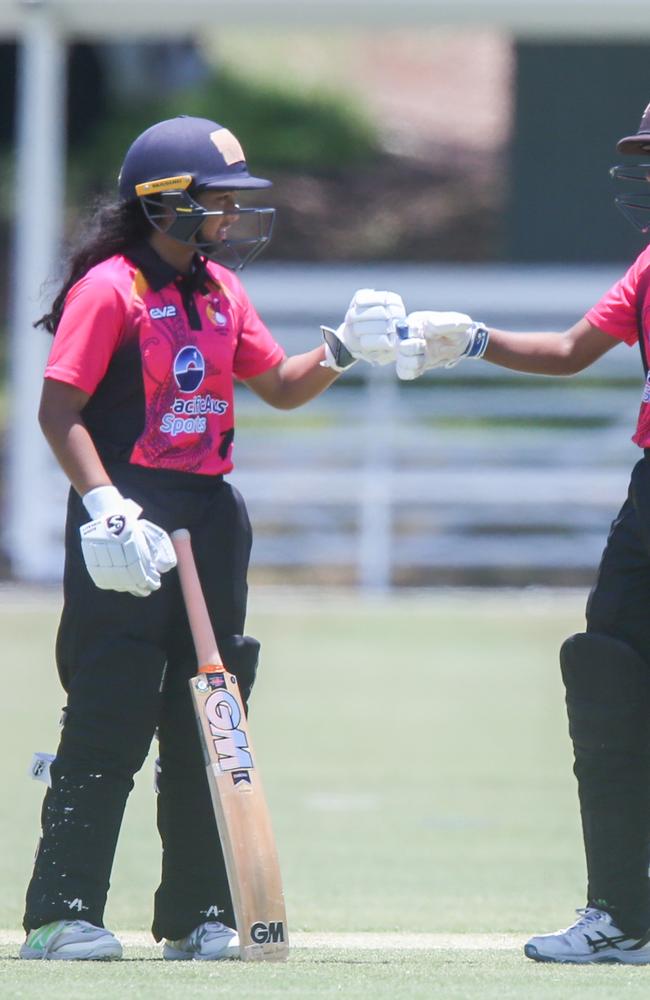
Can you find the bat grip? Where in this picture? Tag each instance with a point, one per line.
(205, 643)
(402, 329)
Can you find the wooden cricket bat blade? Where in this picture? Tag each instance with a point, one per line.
(238, 799)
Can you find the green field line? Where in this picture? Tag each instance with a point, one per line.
(361, 941)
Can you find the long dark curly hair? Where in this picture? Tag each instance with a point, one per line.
(112, 227)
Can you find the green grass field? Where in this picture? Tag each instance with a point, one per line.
(415, 756)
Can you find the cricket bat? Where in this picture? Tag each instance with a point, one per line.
(240, 807)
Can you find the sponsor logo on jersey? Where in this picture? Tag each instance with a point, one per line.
(189, 416)
(215, 316)
(162, 313)
(199, 405)
(189, 368)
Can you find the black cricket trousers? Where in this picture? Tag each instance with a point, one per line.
(124, 663)
(615, 792)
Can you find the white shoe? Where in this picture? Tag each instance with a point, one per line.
(72, 940)
(593, 938)
(211, 941)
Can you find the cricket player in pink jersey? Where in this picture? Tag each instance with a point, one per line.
(606, 670)
(151, 328)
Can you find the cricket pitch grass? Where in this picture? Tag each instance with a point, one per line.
(416, 761)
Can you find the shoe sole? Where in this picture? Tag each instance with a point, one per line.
(99, 954)
(169, 955)
(530, 951)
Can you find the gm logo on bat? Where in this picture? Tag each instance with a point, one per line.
(270, 933)
(230, 742)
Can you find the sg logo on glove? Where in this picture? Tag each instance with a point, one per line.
(116, 524)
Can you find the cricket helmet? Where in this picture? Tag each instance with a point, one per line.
(635, 205)
(171, 162)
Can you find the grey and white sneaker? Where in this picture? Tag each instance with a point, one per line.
(211, 941)
(74, 940)
(594, 937)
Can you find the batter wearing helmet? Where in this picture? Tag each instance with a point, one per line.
(151, 328)
(606, 670)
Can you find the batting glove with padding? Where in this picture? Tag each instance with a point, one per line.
(367, 332)
(122, 551)
(438, 339)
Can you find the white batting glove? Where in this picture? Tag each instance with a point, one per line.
(160, 545)
(122, 551)
(438, 339)
(367, 332)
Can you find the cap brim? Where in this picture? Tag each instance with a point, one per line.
(634, 144)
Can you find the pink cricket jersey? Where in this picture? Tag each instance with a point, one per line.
(157, 353)
(618, 313)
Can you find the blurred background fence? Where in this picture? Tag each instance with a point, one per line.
(474, 475)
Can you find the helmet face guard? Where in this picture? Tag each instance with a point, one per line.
(635, 205)
(170, 162)
(176, 214)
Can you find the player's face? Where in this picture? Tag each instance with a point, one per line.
(216, 227)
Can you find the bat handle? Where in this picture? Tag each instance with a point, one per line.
(402, 329)
(207, 651)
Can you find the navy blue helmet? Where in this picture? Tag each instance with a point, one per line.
(173, 161)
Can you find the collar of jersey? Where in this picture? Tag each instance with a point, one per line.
(159, 273)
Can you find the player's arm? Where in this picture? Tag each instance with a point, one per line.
(294, 381)
(439, 339)
(62, 424)
(549, 353)
(121, 552)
